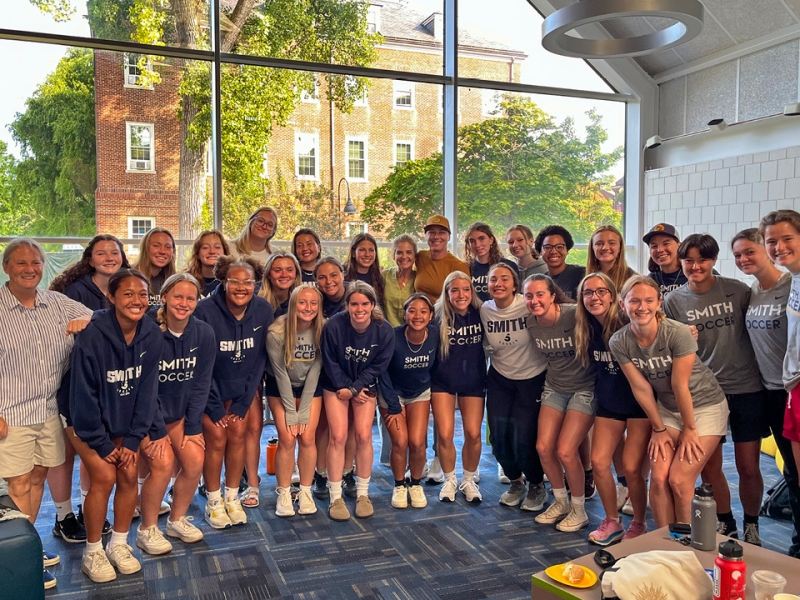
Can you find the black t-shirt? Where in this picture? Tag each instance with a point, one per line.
(569, 279)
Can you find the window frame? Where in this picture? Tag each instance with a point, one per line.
(403, 87)
(362, 139)
(126, 71)
(128, 154)
(131, 219)
(410, 144)
(297, 139)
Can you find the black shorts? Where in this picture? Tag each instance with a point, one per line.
(475, 392)
(749, 416)
(636, 413)
(271, 389)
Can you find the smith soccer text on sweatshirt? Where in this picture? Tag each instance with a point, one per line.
(241, 352)
(409, 372)
(114, 385)
(464, 370)
(352, 359)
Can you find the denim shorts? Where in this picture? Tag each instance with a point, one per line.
(583, 401)
(423, 397)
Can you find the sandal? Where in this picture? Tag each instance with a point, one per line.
(250, 497)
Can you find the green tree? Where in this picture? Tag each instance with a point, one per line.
(518, 167)
(57, 174)
(253, 99)
(14, 204)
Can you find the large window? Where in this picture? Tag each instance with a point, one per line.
(140, 147)
(403, 152)
(306, 155)
(356, 158)
(136, 65)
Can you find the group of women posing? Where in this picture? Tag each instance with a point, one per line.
(170, 397)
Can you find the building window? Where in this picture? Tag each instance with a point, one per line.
(306, 148)
(356, 158)
(138, 226)
(350, 83)
(403, 152)
(490, 103)
(404, 95)
(313, 96)
(140, 147)
(373, 19)
(133, 71)
(356, 228)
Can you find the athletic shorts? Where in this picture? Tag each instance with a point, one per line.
(583, 401)
(709, 420)
(791, 419)
(749, 416)
(423, 397)
(271, 389)
(32, 445)
(609, 414)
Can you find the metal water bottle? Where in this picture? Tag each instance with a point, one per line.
(704, 518)
(730, 572)
(272, 450)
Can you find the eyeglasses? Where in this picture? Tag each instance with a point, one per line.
(601, 293)
(248, 283)
(263, 223)
(556, 247)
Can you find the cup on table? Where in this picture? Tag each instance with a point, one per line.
(785, 597)
(767, 584)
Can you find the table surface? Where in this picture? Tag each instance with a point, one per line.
(755, 557)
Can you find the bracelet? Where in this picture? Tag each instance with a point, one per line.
(353, 391)
(660, 430)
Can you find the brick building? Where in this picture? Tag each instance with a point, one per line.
(138, 137)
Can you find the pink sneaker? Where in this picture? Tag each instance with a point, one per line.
(635, 530)
(610, 531)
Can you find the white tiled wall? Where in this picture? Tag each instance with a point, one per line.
(722, 197)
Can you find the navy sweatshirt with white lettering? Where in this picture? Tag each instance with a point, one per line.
(114, 385)
(409, 372)
(85, 291)
(464, 369)
(184, 374)
(241, 353)
(352, 359)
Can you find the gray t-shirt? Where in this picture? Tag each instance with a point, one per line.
(304, 373)
(723, 344)
(506, 331)
(766, 326)
(791, 362)
(673, 340)
(565, 373)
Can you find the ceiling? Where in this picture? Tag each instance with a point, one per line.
(731, 27)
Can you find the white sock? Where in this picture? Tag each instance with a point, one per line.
(141, 483)
(84, 493)
(305, 488)
(468, 476)
(578, 502)
(171, 482)
(231, 493)
(335, 489)
(117, 538)
(560, 494)
(93, 547)
(362, 486)
(63, 509)
(451, 476)
(211, 496)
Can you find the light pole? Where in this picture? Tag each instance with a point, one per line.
(349, 207)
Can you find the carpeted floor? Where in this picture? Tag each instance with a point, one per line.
(450, 551)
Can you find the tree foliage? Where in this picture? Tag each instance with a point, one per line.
(57, 174)
(14, 206)
(520, 167)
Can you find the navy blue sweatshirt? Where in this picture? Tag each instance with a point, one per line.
(114, 386)
(241, 352)
(209, 285)
(184, 374)
(308, 276)
(465, 366)
(611, 387)
(409, 372)
(331, 307)
(480, 277)
(352, 359)
(85, 291)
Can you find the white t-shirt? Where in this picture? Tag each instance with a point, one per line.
(506, 331)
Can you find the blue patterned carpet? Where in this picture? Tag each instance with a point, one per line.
(449, 551)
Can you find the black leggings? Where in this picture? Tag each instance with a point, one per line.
(776, 407)
(512, 412)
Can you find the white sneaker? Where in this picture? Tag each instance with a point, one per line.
(554, 513)
(627, 508)
(400, 496)
(122, 560)
(435, 473)
(448, 491)
(576, 519)
(235, 511)
(622, 496)
(425, 470)
(284, 508)
(501, 475)
(295, 475)
(305, 503)
(152, 541)
(216, 516)
(96, 566)
(417, 494)
(184, 530)
(162, 510)
(471, 491)
(477, 478)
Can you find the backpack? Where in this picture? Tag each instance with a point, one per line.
(777, 503)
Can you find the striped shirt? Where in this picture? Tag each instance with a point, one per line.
(34, 354)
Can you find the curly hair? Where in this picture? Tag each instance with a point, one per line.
(553, 230)
(494, 250)
(194, 266)
(226, 263)
(83, 267)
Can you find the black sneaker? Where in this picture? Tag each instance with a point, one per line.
(201, 489)
(349, 485)
(70, 530)
(728, 528)
(589, 489)
(321, 487)
(106, 525)
(751, 534)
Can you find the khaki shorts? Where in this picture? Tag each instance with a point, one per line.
(709, 420)
(32, 445)
(423, 397)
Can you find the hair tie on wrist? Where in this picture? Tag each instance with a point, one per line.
(660, 430)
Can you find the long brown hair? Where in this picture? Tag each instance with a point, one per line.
(366, 290)
(620, 272)
(266, 286)
(583, 329)
(527, 233)
(375, 275)
(143, 264)
(194, 266)
(494, 250)
(286, 325)
(83, 267)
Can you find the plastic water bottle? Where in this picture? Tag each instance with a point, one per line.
(730, 572)
(704, 518)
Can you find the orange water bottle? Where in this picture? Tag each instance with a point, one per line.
(272, 450)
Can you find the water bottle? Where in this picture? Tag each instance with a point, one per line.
(730, 572)
(704, 518)
(272, 450)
